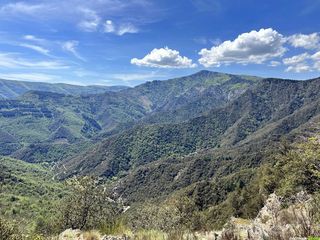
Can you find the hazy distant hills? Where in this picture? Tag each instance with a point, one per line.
(10, 89)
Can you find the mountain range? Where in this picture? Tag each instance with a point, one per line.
(193, 135)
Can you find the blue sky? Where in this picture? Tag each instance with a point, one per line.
(127, 42)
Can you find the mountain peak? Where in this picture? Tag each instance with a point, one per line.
(205, 72)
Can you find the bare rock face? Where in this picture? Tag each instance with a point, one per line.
(76, 234)
(115, 238)
(270, 211)
(275, 222)
(71, 234)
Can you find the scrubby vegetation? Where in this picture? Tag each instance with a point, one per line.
(87, 203)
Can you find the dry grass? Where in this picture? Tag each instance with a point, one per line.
(91, 235)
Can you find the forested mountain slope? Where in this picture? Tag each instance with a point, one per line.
(218, 140)
(40, 125)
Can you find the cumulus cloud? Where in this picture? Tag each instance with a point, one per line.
(304, 62)
(299, 68)
(316, 58)
(252, 47)
(307, 41)
(121, 29)
(71, 46)
(296, 59)
(164, 58)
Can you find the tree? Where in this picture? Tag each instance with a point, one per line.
(89, 205)
(299, 168)
(3, 171)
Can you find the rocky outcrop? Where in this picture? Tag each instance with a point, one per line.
(276, 222)
(71, 234)
(76, 234)
(115, 238)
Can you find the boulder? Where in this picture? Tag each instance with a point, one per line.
(71, 234)
(274, 222)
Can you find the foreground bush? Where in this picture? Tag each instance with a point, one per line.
(89, 206)
(9, 231)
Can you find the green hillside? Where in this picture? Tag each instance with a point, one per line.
(271, 109)
(46, 125)
(207, 158)
(28, 192)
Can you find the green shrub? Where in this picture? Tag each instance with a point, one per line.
(88, 206)
(9, 231)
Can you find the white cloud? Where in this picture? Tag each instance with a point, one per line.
(109, 27)
(303, 63)
(36, 48)
(164, 58)
(296, 59)
(33, 38)
(127, 28)
(12, 61)
(21, 8)
(299, 68)
(91, 20)
(121, 29)
(310, 41)
(71, 46)
(86, 15)
(252, 47)
(274, 63)
(316, 56)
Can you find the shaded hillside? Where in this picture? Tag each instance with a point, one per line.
(268, 111)
(198, 93)
(10, 89)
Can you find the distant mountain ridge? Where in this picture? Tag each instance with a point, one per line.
(10, 89)
(44, 118)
